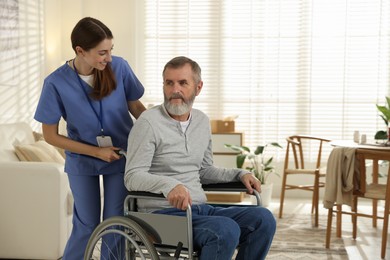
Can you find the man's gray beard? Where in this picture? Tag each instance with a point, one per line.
(177, 110)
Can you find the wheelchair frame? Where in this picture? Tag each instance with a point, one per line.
(149, 235)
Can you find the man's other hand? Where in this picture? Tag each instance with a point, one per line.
(251, 182)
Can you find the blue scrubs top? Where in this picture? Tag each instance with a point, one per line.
(62, 96)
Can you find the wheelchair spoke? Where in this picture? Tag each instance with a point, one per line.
(120, 238)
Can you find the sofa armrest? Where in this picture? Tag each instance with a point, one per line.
(34, 201)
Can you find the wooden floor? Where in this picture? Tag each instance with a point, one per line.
(368, 242)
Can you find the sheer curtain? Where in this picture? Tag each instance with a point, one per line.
(284, 67)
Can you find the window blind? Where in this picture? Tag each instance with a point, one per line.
(314, 67)
(22, 58)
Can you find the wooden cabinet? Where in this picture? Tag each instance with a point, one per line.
(225, 158)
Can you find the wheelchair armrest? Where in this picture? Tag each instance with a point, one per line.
(145, 194)
(228, 186)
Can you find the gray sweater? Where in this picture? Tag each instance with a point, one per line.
(160, 156)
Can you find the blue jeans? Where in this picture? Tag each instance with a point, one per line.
(218, 231)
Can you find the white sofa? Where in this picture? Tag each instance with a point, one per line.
(35, 199)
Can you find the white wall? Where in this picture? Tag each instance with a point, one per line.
(62, 15)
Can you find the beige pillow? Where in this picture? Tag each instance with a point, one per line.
(39, 151)
(39, 137)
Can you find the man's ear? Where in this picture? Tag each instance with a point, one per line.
(199, 87)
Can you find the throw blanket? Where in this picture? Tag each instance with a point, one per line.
(340, 177)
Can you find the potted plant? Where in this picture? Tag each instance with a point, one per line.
(259, 165)
(385, 115)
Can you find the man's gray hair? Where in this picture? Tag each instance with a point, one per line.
(180, 61)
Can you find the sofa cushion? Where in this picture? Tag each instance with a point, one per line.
(39, 151)
(39, 137)
(11, 135)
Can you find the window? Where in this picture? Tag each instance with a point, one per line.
(22, 58)
(313, 67)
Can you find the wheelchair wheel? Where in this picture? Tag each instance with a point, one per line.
(120, 238)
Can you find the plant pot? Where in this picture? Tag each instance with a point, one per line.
(266, 194)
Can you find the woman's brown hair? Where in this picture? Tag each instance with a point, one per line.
(87, 34)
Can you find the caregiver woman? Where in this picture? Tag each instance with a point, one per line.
(94, 93)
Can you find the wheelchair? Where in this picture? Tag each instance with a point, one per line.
(138, 235)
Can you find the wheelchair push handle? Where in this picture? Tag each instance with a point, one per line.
(120, 152)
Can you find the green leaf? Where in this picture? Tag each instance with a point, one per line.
(240, 160)
(385, 120)
(388, 101)
(234, 147)
(259, 149)
(245, 148)
(238, 148)
(268, 162)
(276, 145)
(385, 111)
(380, 135)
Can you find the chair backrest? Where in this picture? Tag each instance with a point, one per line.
(364, 157)
(299, 146)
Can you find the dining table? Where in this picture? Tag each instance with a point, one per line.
(348, 144)
(368, 145)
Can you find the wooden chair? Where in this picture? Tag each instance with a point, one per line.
(301, 147)
(368, 189)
